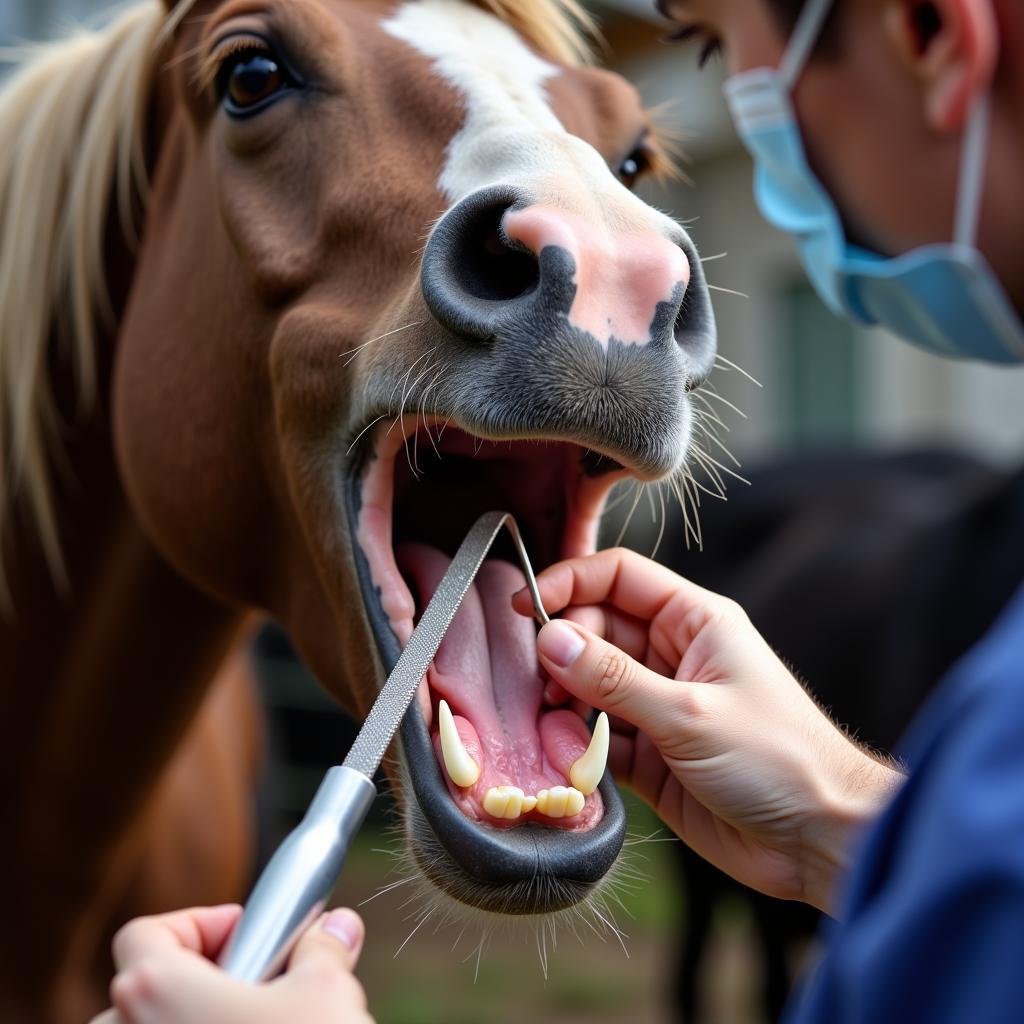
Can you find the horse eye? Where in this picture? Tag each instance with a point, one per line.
(251, 80)
(633, 167)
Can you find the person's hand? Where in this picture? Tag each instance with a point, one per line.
(165, 974)
(712, 730)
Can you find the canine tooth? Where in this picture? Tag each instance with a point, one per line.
(529, 802)
(504, 802)
(462, 769)
(586, 773)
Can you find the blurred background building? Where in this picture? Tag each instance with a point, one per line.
(825, 386)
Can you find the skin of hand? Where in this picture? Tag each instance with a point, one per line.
(709, 726)
(165, 974)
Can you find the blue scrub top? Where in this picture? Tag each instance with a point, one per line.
(932, 925)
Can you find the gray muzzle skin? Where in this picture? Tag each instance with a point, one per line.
(294, 887)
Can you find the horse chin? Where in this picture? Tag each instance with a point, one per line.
(418, 487)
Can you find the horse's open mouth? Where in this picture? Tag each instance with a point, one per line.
(504, 785)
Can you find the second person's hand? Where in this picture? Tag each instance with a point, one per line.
(165, 974)
(713, 730)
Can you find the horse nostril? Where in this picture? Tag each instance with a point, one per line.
(473, 276)
(487, 266)
(694, 328)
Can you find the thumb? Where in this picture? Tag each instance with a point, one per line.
(335, 942)
(600, 674)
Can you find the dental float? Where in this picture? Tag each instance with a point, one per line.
(294, 887)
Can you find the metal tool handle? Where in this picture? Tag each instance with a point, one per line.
(295, 885)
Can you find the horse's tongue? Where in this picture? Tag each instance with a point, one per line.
(487, 666)
(487, 671)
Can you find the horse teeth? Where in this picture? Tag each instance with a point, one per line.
(560, 802)
(461, 768)
(586, 773)
(507, 802)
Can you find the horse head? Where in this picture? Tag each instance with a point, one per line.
(393, 276)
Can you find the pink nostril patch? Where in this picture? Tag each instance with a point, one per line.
(540, 226)
(621, 276)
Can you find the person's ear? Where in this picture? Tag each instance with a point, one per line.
(951, 47)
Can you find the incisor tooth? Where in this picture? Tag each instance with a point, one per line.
(586, 773)
(560, 802)
(505, 802)
(462, 769)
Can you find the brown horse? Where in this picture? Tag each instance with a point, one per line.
(234, 379)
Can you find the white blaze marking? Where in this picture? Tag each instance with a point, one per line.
(510, 135)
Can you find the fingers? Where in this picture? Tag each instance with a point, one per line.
(320, 969)
(601, 675)
(335, 942)
(201, 930)
(176, 986)
(618, 577)
(626, 632)
(181, 988)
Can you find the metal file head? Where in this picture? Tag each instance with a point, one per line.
(397, 693)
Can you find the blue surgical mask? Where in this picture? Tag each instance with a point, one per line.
(944, 298)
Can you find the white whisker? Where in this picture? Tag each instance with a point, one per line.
(353, 352)
(709, 392)
(714, 437)
(661, 527)
(724, 469)
(355, 440)
(638, 490)
(426, 917)
(621, 936)
(697, 454)
(728, 291)
(739, 369)
(388, 888)
(707, 411)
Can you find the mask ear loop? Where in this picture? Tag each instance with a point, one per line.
(803, 40)
(973, 157)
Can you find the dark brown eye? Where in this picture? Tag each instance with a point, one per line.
(630, 170)
(252, 79)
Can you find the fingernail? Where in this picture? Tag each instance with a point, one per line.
(344, 924)
(560, 643)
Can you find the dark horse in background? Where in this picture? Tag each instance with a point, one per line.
(870, 575)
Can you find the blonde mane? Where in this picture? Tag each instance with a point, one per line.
(70, 132)
(560, 29)
(71, 136)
